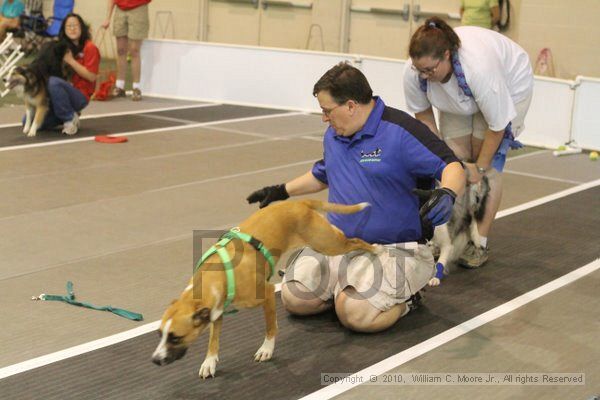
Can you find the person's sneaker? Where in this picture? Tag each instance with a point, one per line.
(415, 301)
(71, 127)
(118, 92)
(136, 95)
(473, 256)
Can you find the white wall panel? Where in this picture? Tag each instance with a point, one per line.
(548, 122)
(586, 113)
(385, 77)
(238, 74)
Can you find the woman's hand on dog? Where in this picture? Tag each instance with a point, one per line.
(472, 174)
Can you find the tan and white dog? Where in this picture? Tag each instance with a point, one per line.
(30, 85)
(280, 227)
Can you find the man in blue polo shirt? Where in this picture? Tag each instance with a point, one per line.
(380, 155)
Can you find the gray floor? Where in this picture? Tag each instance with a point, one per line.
(117, 221)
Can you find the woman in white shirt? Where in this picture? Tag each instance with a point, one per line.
(482, 84)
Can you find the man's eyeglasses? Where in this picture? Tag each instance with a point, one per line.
(327, 112)
(427, 71)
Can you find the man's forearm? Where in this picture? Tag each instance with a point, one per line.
(304, 184)
(453, 178)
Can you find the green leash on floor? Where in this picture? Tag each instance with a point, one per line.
(70, 299)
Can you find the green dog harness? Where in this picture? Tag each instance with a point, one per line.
(219, 248)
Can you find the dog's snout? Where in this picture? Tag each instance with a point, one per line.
(157, 361)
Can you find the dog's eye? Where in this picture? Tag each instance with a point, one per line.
(174, 339)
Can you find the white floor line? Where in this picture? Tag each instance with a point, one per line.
(132, 112)
(547, 178)
(146, 131)
(264, 139)
(384, 365)
(218, 178)
(546, 199)
(533, 153)
(428, 345)
(169, 119)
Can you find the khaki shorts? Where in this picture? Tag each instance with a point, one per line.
(384, 280)
(453, 125)
(134, 24)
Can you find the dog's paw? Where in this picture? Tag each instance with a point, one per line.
(266, 350)
(26, 129)
(434, 282)
(31, 133)
(208, 367)
(378, 249)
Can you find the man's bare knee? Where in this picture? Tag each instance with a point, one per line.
(357, 314)
(350, 309)
(299, 300)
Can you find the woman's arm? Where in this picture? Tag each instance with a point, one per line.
(495, 15)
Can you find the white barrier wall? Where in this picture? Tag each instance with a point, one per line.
(586, 113)
(283, 78)
(385, 78)
(234, 74)
(548, 122)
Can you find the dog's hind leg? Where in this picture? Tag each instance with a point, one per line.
(209, 366)
(329, 240)
(28, 117)
(265, 352)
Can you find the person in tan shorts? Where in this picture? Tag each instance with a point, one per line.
(482, 84)
(130, 27)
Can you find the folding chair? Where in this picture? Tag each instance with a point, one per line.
(61, 9)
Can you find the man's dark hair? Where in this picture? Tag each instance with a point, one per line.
(344, 82)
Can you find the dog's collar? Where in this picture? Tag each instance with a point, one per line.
(219, 248)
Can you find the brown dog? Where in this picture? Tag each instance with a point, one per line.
(280, 227)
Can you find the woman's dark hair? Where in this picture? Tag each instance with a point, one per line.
(344, 82)
(432, 39)
(85, 34)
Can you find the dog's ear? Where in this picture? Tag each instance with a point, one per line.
(201, 316)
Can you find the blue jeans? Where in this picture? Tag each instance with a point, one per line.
(65, 101)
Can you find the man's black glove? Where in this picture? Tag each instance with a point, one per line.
(268, 194)
(438, 204)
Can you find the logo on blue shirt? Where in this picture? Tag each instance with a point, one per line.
(374, 156)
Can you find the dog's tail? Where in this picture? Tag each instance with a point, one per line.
(335, 208)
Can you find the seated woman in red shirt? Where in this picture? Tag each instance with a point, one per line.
(68, 99)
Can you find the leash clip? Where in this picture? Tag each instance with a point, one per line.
(40, 297)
